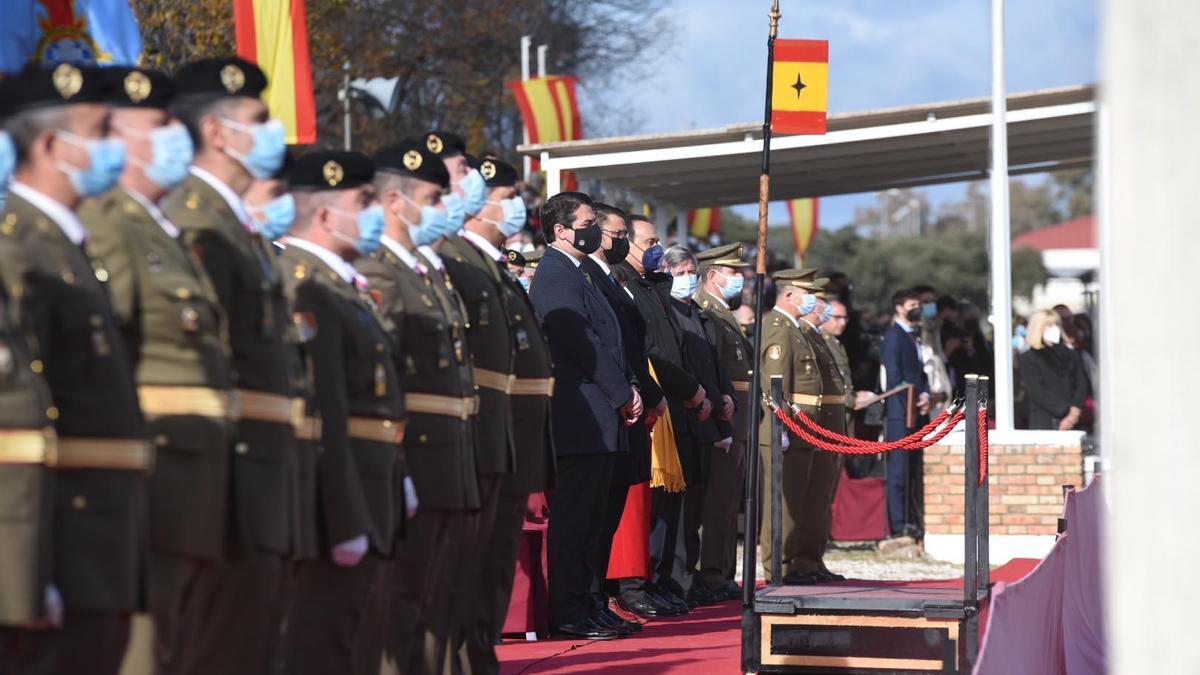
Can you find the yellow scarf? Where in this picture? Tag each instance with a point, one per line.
(665, 470)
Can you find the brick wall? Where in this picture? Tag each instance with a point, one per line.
(1025, 482)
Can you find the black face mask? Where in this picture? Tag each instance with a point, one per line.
(913, 315)
(587, 240)
(618, 252)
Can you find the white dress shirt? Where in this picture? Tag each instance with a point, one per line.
(65, 218)
(344, 269)
(483, 245)
(231, 198)
(403, 254)
(155, 213)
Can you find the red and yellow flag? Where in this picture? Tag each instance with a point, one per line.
(549, 107)
(805, 218)
(800, 86)
(273, 34)
(703, 222)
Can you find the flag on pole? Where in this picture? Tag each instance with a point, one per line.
(804, 215)
(551, 113)
(82, 32)
(800, 86)
(703, 222)
(274, 35)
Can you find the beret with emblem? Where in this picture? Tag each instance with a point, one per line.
(445, 143)
(514, 257)
(411, 157)
(801, 278)
(65, 84)
(532, 258)
(220, 77)
(330, 170)
(729, 255)
(139, 87)
(497, 173)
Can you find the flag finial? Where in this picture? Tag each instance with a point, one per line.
(775, 15)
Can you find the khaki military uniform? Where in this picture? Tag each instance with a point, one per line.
(338, 619)
(427, 324)
(726, 480)
(249, 586)
(826, 466)
(101, 459)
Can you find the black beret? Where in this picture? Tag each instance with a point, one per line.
(472, 160)
(330, 170)
(515, 257)
(411, 157)
(139, 88)
(498, 173)
(445, 143)
(220, 77)
(65, 84)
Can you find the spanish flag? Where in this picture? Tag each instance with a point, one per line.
(273, 34)
(703, 222)
(800, 86)
(805, 218)
(549, 107)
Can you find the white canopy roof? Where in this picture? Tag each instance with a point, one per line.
(863, 152)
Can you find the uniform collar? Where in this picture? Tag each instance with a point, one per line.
(65, 218)
(715, 296)
(155, 212)
(231, 198)
(403, 254)
(794, 322)
(335, 262)
(482, 244)
(433, 258)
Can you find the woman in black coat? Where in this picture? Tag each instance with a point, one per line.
(1055, 384)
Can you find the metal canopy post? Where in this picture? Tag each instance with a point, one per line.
(971, 476)
(1001, 240)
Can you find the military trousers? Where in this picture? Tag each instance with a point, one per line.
(718, 545)
(818, 502)
(338, 619)
(469, 580)
(500, 568)
(88, 642)
(216, 617)
(422, 614)
(796, 467)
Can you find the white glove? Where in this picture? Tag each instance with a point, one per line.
(725, 444)
(785, 442)
(410, 498)
(54, 606)
(350, 553)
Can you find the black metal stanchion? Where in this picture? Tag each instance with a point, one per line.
(983, 510)
(970, 523)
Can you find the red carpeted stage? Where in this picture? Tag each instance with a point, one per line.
(706, 641)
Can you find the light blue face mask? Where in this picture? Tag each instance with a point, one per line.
(828, 313)
(514, 215)
(524, 283)
(267, 151)
(929, 310)
(278, 216)
(433, 226)
(474, 191)
(171, 154)
(733, 286)
(8, 164)
(370, 228)
(106, 161)
(684, 286)
(456, 211)
(807, 304)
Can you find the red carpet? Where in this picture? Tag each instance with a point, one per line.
(706, 641)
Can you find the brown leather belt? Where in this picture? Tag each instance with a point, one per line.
(741, 386)
(494, 380)
(104, 453)
(533, 387)
(159, 400)
(28, 446)
(433, 404)
(263, 407)
(818, 401)
(374, 429)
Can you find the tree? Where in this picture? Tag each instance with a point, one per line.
(1072, 192)
(452, 58)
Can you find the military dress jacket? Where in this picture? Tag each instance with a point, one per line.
(490, 332)
(832, 409)
(174, 330)
(427, 326)
(27, 440)
(360, 469)
(245, 274)
(736, 356)
(788, 354)
(102, 455)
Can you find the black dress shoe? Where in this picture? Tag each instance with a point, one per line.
(826, 575)
(584, 628)
(643, 609)
(702, 596)
(732, 590)
(801, 579)
(668, 606)
(613, 617)
(673, 601)
(604, 621)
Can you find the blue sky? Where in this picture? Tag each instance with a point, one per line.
(883, 53)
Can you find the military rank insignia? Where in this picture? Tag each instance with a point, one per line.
(380, 381)
(306, 325)
(774, 352)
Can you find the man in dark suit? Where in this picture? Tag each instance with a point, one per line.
(901, 357)
(595, 400)
(634, 467)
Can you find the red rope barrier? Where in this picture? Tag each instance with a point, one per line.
(906, 444)
(983, 445)
(875, 445)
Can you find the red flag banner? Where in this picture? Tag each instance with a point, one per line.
(274, 35)
(800, 86)
(550, 110)
(703, 222)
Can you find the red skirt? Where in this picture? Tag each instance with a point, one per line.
(630, 557)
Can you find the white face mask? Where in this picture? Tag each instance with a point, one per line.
(1052, 335)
